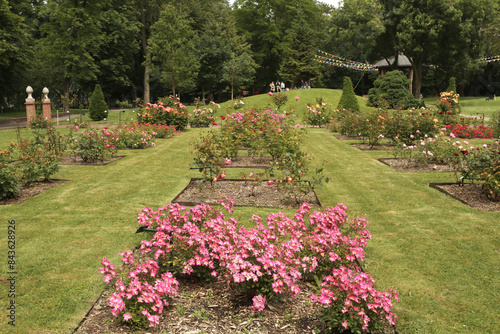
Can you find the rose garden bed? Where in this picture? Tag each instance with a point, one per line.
(467, 193)
(244, 193)
(27, 191)
(409, 165)
(67, 160)
(202, 307)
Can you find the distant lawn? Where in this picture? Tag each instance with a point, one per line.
(473, 106)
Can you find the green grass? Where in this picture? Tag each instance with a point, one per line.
(440, 254)
(473, 106)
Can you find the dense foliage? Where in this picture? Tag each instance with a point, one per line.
(194, 48)
(391, 90)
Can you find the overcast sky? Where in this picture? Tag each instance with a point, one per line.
(335, 3)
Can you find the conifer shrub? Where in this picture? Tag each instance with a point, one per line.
(98, 106)
(391, 90)
(452, 85)
(348, 99)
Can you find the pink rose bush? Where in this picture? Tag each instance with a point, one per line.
(265, 261)
(167, 111)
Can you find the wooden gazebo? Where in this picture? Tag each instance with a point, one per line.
(403, 62)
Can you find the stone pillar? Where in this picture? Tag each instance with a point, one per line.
(46, 104)
(30, 106)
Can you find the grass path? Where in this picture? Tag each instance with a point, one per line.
(441, 255)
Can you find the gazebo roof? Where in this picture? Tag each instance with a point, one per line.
(403, 61)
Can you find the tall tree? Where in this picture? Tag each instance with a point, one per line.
(264, 24)
(71, 38)
(147, 13)
(116, 59)
(297, 63)
(172, 48)
(13, 51)
(443, 33)
(239, 71)
(356, 29)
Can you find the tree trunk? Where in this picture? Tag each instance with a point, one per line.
(417, 80)
(147, 56)
(173, 85)
(203, 93)
(65, 105)
(147, 93)
(232, 90)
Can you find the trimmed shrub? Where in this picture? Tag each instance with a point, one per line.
(392, 90)
(452, 86)
(98, 106)
(348, 99)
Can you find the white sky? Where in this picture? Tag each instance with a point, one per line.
(335, 3)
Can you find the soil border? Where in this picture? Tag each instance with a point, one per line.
(34, 189)
(378, 147)
(414, 169)
(82, 163)
(473, 204)
(195, 179)
(437, 186)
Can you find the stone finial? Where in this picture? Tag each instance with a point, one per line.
(30, 98)
(45, 92)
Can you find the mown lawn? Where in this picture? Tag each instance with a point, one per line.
(441, 255)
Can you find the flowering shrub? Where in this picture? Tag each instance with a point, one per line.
(410, 126)
(273, 256)
(157, 131)
(238, 104)
(350, 123)
(134, 137)
(352, 302)
(481, 164)
(495, 124)
(375, 127)
(92, 145)
(167, 111)
(474, 131)
(447, 107)
(438, 150)
(39, 158)
(279, 99)
(319, 114)
(40, 123)
(9, 178)
(201, 118)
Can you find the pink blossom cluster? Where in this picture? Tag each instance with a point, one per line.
(281, 248)
(255, 116)
(138, 136)
(360, 301)
(141, 286)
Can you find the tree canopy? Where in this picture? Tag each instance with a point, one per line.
(153, 48)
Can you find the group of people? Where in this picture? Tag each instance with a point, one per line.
(280, 86)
